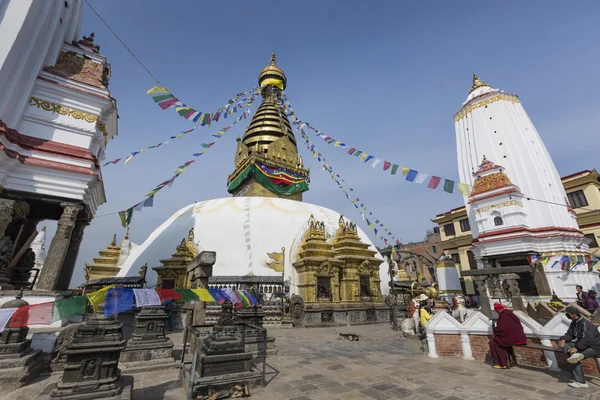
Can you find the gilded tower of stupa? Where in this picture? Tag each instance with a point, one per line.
(266, 158)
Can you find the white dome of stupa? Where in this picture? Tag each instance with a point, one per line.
(222, 225)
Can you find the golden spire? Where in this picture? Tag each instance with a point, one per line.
(272, 75)
(126, 234)
(477, 83)
(114, 241)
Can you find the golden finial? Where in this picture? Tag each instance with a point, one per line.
(87, 272)
(44, 228)
(477, 83)
(191, 235)
(126, 234)
(273, 61)
(114, 241)
(484, 158)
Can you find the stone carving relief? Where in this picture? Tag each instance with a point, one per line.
(80, 69)
(365, 268)
(325, 269)
(297, 306)
(151, 327)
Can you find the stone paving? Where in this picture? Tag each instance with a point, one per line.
(313, 364)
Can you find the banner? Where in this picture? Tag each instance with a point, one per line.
(68, 307)
(36, 314)
(98, 297)
(118, 301)
(5, 316)
(146, 297)
(377, 227)
(165, 100)
(410, 174)
(126, 215)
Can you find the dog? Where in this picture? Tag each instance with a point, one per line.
(350, 336)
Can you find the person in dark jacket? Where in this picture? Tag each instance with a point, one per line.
(508, 332)
(592, 302)
(583, 298)
(581, 341)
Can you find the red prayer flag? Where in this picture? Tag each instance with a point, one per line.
(167, 294)
(434, 182)
(36, 314)
(351, 151)
(386, 165)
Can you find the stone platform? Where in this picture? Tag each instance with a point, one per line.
(317, 316)
(126, 391)
(20, 369)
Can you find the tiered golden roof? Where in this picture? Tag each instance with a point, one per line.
(106, 265)
(173, 271)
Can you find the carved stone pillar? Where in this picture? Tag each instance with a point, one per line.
(484, 300)
(199, 270)
(6, 211)
(59, 247)
(66, 272)
(541, 281)
(512, 281)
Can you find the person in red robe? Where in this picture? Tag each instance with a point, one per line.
(508, 332)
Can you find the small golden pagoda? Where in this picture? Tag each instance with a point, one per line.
(359, 277)
(344, 271)
(266, 158)
(317, 266)
(172, 274)
(107, 264)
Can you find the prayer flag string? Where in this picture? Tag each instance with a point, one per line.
(126, 215)
(227, 110)
(165, 100)
(116, 301)
(375, 224)
(410, 174)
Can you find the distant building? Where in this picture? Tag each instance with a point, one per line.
(583, 193)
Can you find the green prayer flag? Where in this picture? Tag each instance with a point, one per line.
(123, 219)
(357, 153)
(394, 169)
(187, 294)
(448, 186)
(580, 259)
(68, 307)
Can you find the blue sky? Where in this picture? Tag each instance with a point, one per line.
(385, 77)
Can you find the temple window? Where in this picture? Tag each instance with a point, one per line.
(168, 284)
(324, 288)
(577, 199)
(365, 286)
(449, 230)
(464, 225)
(498, 221)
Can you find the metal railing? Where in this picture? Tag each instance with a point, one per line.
(195, 335)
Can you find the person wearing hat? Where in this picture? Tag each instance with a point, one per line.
(581, 341)
(507, 333)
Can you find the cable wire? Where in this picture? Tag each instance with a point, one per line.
(121, 41)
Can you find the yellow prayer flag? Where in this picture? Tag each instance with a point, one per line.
(363, 156)
(157, 89)
(405, 171)
(464, 188)
(98, 297)
(203, 295)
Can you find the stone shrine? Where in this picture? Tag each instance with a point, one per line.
(148, 346)
(222, 360)
(19, 364)
(199, 270)
(91, 368)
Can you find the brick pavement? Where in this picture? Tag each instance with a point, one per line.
(313, 364)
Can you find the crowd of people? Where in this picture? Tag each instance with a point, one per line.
(581, 341)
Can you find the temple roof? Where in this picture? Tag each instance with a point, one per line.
(184, 252)
(486, 165)
(479, 88)
(108, 256)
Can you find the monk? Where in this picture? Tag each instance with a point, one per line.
(508, 332)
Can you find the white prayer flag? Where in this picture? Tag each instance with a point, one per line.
(421, 177)
(376, 162)
(146, 297)
(5, 316)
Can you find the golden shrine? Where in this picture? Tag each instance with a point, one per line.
(343, 271)
(107, 264)
(173, 271)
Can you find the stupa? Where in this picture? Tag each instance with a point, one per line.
(518, 207)
(265, 215)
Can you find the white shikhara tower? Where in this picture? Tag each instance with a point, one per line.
(502, 156)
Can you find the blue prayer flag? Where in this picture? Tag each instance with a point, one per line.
(412, 174)
(118, 301)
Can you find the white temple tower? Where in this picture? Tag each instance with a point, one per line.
(56, 118)
(503, 157)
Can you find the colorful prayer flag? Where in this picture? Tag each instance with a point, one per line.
(98, 297)
(434, 182)
(36, 314)
(68, 307)
(395, 169)
(448, 186)
(167, 294)
(411, 175)
(204, 295)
